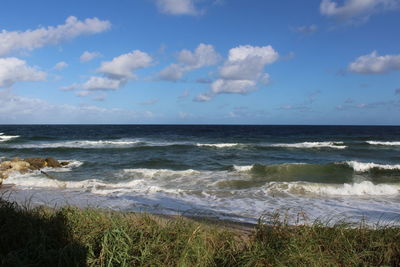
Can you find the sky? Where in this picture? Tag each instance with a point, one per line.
(200, 62)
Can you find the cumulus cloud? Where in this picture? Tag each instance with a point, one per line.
(60, 65)
(122, 67)
(397, 91)
(356, 9)
(33, 39)
(71, 87)
(177, 7)
(102, 84)
(39, 111)
(306, 29)
(242, 71)
(374, 64)
(203, 97)
(116, 73)
(88, 56)
(204, 55)
(14, 70)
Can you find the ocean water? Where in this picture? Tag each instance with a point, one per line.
(237, 173)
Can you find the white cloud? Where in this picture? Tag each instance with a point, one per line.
(204, 97)
(102, 83)
(177, 7)
(33, 39)
(14, 70)
(242, 71)
(71, 87)
(374, 64)
(356, 9)
(17, 109)
(173, 72)
(204, 55)
(122, 67)
(233, 86)
(306, 29)
(83, 93)
(88, 56)
(60, 65)
(116, 72)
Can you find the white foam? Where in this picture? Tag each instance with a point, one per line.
(5, 138)
(153, 173)
(382, 143)
(244, 168)
(72, 164)
(364, 167)
(37, 180)
(365, 188)
(336, 145)
(222, 145)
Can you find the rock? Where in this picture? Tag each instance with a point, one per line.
(36, 163)
(52, 163)
(15, 165)
(26, 165)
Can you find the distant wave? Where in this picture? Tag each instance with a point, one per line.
(83, 144)
(354, 189)
(384, 143)
(336, 145)
(5, 138)
(222, 145)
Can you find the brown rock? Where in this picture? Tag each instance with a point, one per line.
(52, 163)
(36, 163)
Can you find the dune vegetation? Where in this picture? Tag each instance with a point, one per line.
(71, 236)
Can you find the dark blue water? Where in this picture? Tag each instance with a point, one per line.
(235, 172)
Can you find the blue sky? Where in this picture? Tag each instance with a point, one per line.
(200, 61)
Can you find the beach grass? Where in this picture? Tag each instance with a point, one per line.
(72, 236)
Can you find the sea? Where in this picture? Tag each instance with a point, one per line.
(230, 172)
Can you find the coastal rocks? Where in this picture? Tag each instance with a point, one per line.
(39, 163)
(27, 165)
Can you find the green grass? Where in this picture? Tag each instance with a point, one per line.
(89, 237)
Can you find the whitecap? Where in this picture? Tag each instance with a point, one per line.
(384, 143)
(5, 138)
(221, 145)
(336, 145)
(354, 189)
(244, 168)
(364, 166)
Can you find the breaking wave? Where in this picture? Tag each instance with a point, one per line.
(365, 167)
(384, 143)
(5, 138)
(364, 188)
(222, 145)
(336, 145)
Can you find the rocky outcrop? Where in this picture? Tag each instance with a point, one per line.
(27, 165)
